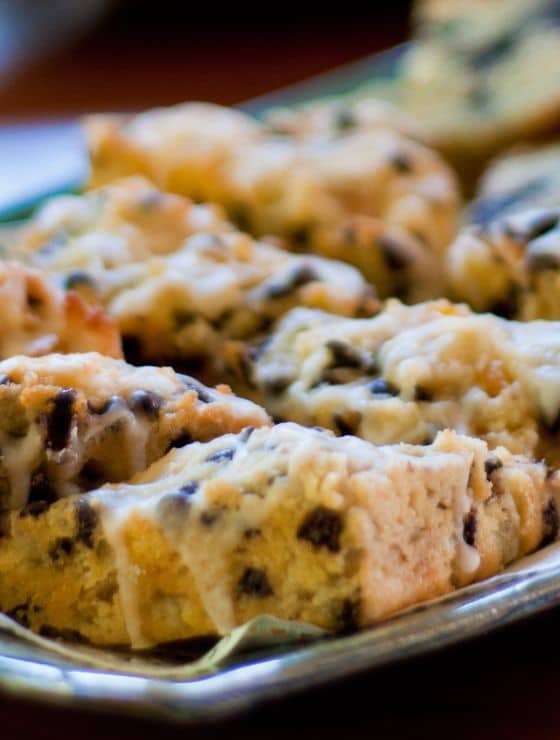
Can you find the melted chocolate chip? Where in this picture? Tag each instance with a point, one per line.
(348, 618)
(401, 162)
(146, 403)
(300, 237)
(322, 527)
(469, 528)
(59, 420)
(345, 120)
(346, 422)
(239, 215)
(382, 387)
(181, 441)
(132, 349)
(276, 386)
(220, 321)
(78, 279)
(20, 614)
(492, 464)
(40, 488)
(34, 509)
(298, 277)
(221, 455)
(188, 488)
(251, 533)
(343, 354)
(5, 380)
(191, 384)
(183, 318)
(68, 635)
(487, 56)
(173, 507)
(209, 517)
(245, 434)
(486, 210)
(86, 520)
(537, 225)
(254, 582)
(394, 254)
(61, 547)
(422, 394)
(539, 262)
(550, 523)
(506, 308)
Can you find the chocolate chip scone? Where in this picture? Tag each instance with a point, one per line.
(411, 371)
(478, 76)
(38, 318)
(179, 284)
(510, 265)
(69, 423)
(375, 198)
(520, 179)
(286, 521)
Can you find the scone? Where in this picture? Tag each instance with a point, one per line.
(510, 265)
(375, 198)
(478, 76)
(520, 179)
(411, 371)
(69, 423)
(177, 278)
(38, 318)
(286, 521)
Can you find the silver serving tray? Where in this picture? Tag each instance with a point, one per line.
(532, 586)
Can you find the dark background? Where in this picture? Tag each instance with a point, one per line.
(144, 53)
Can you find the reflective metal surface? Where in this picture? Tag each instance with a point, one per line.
(532, 586)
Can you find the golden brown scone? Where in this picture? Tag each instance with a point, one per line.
(411, 371)
(311, 191)
(69, 423)
(38, 318)
(286, 521)
(177, 278)
(510, 265)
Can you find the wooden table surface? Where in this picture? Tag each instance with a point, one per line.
(505, 685)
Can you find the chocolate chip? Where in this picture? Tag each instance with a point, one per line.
(92, 473)
(5, 380)
(348, 618)
(322, 527)
(300, 237)
(86, 520)
(220, 321)
(132, 349)
(146, 402)
(401, 162)
(486, 210)
(239, 215)
(66, 634)
(276, 386)
(183, 318)
(172, 508)
(394, 254)
(469, 528)
(382, 387)
(221, 455)
(298, 277)
(59, 420)
(539, 262)
(189, 488)
(201, 391)
(535, 226)
(209, 517)
(347, 422)
(251, 533)
(181, 441)
(492, 53)
(61, 547)
(254, 582)
(492, 464)
(34, 509)
(344, 120)
(507, 307)
(78, 279)
(246, 434)
(550, 523)
(20, 614)
(343, 354)
(40, 488)
(422, 394)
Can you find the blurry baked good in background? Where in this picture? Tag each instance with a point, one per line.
(370, 196)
